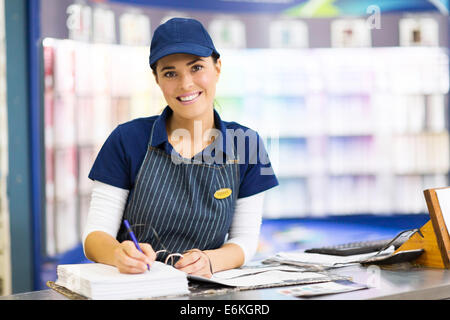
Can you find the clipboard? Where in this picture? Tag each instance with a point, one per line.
(199, 286)
(434, 238)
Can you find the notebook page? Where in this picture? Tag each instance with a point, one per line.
(101, 281)
(443, 196)
(101, 273)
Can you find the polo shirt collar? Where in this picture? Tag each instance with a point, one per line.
(159, 128)
(160, 133)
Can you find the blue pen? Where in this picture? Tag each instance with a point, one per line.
(133, 237)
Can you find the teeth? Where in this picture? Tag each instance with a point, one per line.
(189, 98)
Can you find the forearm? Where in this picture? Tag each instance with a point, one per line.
(103, 248)
(244, 234)
(100, 247)
(228, 256)
(246, 225)
(103, 221)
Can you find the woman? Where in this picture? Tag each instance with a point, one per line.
(186, 181)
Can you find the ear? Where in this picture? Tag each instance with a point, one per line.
(156, 77)
(218, 66)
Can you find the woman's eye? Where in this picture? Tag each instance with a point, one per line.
(169, 74)
(197, 68)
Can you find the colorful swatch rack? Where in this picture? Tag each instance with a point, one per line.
(348, 131)
(89, 90)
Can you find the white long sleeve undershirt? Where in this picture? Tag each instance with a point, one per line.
(108, 204)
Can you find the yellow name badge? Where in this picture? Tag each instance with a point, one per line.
(222, 193)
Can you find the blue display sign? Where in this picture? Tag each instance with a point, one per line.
(300, 8)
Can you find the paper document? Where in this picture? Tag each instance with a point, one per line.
(239, 272)
(319, 289)
(322, 260)
(262, 276)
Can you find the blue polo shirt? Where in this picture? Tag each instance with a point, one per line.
(121, 156)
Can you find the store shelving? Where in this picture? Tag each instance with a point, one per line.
(348, 131)
(89, 90)
(353, 131)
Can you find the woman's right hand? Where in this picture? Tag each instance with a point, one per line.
(128, 259)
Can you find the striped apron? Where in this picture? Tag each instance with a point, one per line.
(173, 205)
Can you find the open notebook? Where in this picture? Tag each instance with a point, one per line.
(101, 281)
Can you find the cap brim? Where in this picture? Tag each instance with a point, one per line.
(189, 48)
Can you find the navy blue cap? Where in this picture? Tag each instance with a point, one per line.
(180, 35)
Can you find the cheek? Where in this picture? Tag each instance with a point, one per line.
(207, 82)
(167, 88)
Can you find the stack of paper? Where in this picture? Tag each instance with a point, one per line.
(264, 276)
(100, 281)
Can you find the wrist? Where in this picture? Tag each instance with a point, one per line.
(211, 269)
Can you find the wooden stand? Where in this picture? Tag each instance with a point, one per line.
(435, 240)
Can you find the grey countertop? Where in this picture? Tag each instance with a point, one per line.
(399, 283)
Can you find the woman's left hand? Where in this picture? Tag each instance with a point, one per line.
(195, 262)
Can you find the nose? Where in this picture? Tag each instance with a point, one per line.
(186, 81)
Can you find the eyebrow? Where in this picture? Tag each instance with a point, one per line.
(188, 64)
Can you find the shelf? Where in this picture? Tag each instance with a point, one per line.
(333, 119)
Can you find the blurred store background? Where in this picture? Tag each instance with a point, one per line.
(351, 98)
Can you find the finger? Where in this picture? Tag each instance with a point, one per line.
(188, 258)
(131, 250)
(123, 267)
(127, 256)
(205, 275)
(131, 270)
(196, 269)
(192, 269)
(198, 266)
(148, 252)
(127, 264)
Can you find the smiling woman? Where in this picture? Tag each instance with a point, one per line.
(209, 211)
(188, 84)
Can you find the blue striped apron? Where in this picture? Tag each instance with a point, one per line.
(172, 205)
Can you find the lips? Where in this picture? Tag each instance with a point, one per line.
(189, 98)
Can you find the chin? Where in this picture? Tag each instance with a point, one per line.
(191, 112)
